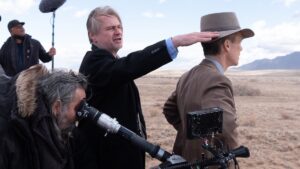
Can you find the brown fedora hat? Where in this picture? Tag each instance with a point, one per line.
(226, 23)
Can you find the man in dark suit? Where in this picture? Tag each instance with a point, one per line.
(112, 89)
(205, 85)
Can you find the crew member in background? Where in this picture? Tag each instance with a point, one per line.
(20, 51)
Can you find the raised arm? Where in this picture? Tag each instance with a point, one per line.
(192, 38)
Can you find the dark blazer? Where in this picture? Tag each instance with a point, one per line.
(202, 87)
(112, 90)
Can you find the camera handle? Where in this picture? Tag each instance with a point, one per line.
(220, 159)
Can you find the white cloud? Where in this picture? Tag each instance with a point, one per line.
(16, 6)
(162, 1)
(288, 2)
(67, 8)
(282, 37)
(151, 14)
(271, 41)
(81, 13)
(296, 14)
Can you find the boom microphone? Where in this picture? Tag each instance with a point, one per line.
(50, 5)
(112, 126)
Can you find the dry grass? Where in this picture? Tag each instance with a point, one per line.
(268, 115)
(245, 90)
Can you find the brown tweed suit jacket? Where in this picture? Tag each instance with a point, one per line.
(201, 87)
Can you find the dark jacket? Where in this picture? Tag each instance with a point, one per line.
(30, 142)
(112, 90)
(200, 88)
(32, 49)
(1, 70)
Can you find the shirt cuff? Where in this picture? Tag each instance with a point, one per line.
(171, 48)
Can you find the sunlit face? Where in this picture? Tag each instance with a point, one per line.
(67, 116)
(17, 30)
(234, 50)
(110, 34)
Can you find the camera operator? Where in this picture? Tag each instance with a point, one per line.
(36, 118)
(206, 86)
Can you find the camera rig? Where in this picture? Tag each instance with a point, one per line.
(204, 123)
(201, 124)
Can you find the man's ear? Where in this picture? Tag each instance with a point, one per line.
(56, 107)
(226, 45)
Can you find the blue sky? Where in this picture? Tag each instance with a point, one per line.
(275, 22)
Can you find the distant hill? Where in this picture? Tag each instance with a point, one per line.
(290, 61)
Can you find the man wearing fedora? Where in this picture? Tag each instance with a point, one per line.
(206, 86)
(20, 51)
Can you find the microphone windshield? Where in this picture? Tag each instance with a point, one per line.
(50, 5)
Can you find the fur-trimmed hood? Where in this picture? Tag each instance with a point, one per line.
(26, 89)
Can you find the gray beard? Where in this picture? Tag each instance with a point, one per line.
(63, 134)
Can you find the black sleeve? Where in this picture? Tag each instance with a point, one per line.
(1, 55)
(43, 55)
(103, 69)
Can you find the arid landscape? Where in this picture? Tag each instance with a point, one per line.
(268, 107)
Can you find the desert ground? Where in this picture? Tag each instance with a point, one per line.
(268, 108)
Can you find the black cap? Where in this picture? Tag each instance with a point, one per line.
(14, 23)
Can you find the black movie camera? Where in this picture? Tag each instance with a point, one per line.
(204, 123)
